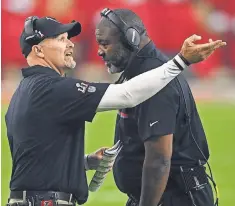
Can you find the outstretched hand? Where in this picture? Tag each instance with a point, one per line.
(195, 53)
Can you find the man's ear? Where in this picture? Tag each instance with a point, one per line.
(38, 51)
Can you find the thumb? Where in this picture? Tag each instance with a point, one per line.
(193, 38)
(104, 148)
(101, 150)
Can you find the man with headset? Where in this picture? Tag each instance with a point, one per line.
(47, 113)
(164, 144)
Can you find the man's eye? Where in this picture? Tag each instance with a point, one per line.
(104, 44)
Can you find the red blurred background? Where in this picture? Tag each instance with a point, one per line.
(168, 23)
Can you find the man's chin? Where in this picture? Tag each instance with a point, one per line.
(70, 65)
(113, 70)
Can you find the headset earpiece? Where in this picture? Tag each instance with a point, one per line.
(31, 33)
(131, 35)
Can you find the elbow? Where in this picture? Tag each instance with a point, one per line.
(132, 103)
(161, 162)
(165, 164)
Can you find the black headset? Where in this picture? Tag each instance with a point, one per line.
(32, 35)
(131, 36)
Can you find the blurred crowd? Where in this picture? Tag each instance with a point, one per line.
(168, 23)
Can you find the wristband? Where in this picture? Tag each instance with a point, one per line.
(184, 60)
(179, 63)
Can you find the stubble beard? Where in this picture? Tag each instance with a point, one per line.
(70, 63)
(122, 57)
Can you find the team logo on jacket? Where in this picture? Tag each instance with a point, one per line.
(82, 87)
(91, 89)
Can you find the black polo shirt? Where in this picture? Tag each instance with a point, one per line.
(45, 127)
(163, 114)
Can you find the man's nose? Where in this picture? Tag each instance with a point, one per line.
(70, 44)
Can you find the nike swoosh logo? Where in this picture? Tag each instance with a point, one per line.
(151, 124)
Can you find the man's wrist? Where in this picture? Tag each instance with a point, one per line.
(179, 62)
(86, 165)
(184, 59)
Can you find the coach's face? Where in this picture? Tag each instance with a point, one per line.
(58, 52)
(111, 48)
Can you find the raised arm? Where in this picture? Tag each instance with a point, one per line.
(144, 86)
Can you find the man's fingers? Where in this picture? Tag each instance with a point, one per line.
(209, 48)
(104, 148)
(220, 45)
(212, 45)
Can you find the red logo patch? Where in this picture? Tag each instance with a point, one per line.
(46, 203)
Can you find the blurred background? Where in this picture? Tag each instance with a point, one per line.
(168, 23)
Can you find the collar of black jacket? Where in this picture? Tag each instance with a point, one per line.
(134, 68)
(37, 69)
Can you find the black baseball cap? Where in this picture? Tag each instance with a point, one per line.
(47, 27)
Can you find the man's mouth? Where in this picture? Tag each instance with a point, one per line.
(69, 54)
(107, 64)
